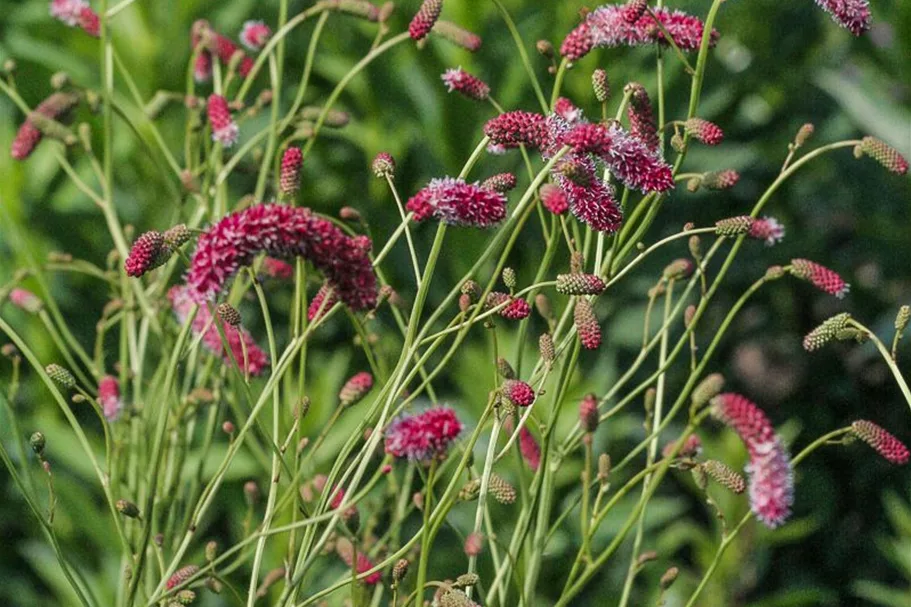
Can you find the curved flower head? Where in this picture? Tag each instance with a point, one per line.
(771, 481)
(424, 436)
(147, 253)
(767, 229)
(702, 130)
(882, 441)
(424, 19)
(284, 232)
(29, 135)
(458, 203)
(884, 154)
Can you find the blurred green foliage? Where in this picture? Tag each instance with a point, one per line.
(777, 66)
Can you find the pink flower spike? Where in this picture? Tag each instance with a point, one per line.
(641, 117)
(516, 128)
(529, 448)
(771, 478)
(285, 232)
(567, 110)
(459, 81)
(707, 132)
(633, 163)
(767, 229)
(146, 254)
(89, 22)
(290, 173)
(224, 129)
(822, 277)
(457, 203)
(254, 35)
(425, 18)
(29, 135)
(424, 436)
(518, 392)
(76, 13)
(853, 15)
(516, 309)
(182, 302)
(882, 441)
(321, 303)
(202, 67)
(109, 397)
(276, 268)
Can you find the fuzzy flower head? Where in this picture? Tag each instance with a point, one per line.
(822, 277)
(257, 361)
(109, 397)
(553, 198)
(254, 35)
(515, 309)
(771, 481)
(518, 392)
(455, 202)
(567, 110)
(147, 253)
(707, 132)
(883, 442)
(608, 27)
(290, 173)
(224, 129)
(853, 15)
(424, 436)
(459, 81)
(76, 13)
(383, 165)
(284, 232)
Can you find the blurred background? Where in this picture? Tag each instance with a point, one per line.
(778, 65)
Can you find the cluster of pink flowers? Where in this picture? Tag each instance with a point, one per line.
(455, 202)
(424, 436)
(284, 232)
(518, 392)
(769, 468)
(853, 15)
(290, 173)
(767, 229)
(355, 389)
(588, 197)
(641, 117)
(182, 302)
(224, 129)
(109, 397)
(692, 447)
(346, 551)
(77, 13)
(29, 135)
(822, 277)
(459, 81)
(254, 35)
(276, 268)
(222, 47)
(516, 309)
(607, 26)
(588, 413)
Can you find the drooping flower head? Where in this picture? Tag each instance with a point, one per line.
(147, 253)
(607, 26)
(424, 436)
(29, 135)
(109, 397)
(254, 35)
(355, 389)
(284, 232)
(224, 129)
(882, 441)
(424, 19)
(459, 81)
(702, 130)
(884, 154)
(822, 277)
(257, 360)
(457, 35)
(771, 481)
(853, 15)
(455, 202)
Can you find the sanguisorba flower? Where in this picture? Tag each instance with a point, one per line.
(501, 182)
(822, 277)
(853, 15)
(182, 302)
(457, 35)
(553, 198)
(587, 324)
(276, 268)
(356, 388)
(77, 13)
(518, 392)
(457, 203)
(25, 300)
(424, 436)
(109, 397)
(884, 154)
(882, 441)
(607, 26)
(147, 253)
(254, 35)
(640, 115)
(284, 232)
(346, 552)
(529, 448)
(224, 129)
(767, 229)
(223, 48)
(459, 81)
(516, 308)
(290, 173)
(702, 130)
(424, 19)
(29, 134)
(771, 480)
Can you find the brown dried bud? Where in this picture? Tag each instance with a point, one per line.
(724, 475)
(545, 48)
(228, 314)
(505, 369)
(603, 469)
(465, 580)
(647, 557)
(695, 246)
(669, 577)
(902, 318)
(211, 550)
(399, 570)
(251, 493)
(128, 509)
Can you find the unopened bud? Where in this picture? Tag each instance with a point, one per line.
(707, 389)
(228, 314)
(509, 278)
(37, 442)
(228, 427)
(695, 245)
(542, 305)
(211, 550)
(545, 48)
(804, 134)
(128, 509)
(349, 214)
(688, 315)
(61, 376)
(669, 577)
(399, 570)
(603, 469)
(505, 369)
(251, 493)
(901, 319)
(546, 348)
(647, 557)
